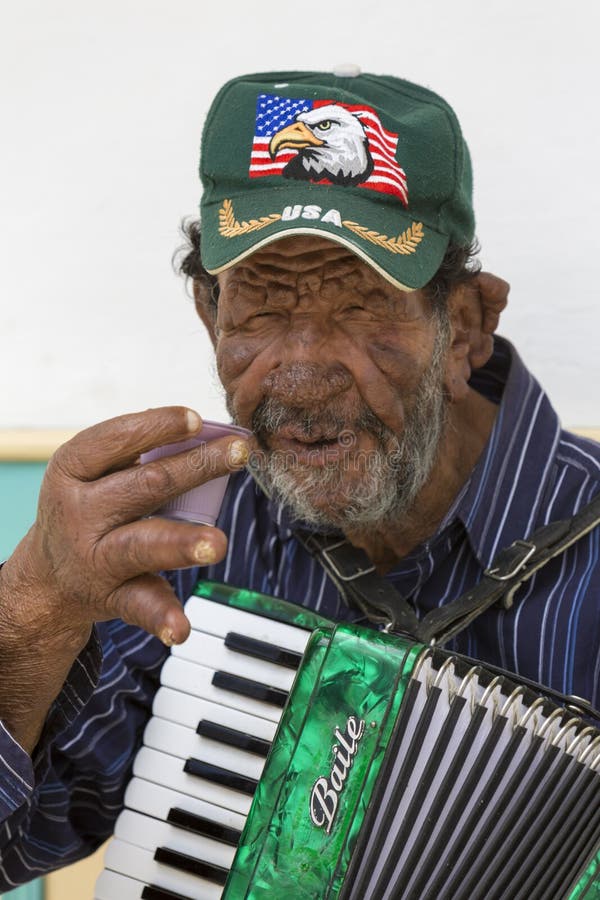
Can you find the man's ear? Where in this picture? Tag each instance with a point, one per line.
(475, 311)
(205, 307)
(492, 292)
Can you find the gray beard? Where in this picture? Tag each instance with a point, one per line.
(391, 476)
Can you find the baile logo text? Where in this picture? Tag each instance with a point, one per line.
(325, 794)
(325, 142)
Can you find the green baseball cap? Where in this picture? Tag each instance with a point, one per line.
(372, 162)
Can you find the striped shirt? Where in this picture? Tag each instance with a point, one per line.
(63, 804)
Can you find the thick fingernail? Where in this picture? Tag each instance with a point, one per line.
(238, 453)
(167, 637)
(193, 420)
(204, 553)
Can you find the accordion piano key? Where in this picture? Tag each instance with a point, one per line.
(190, 711)
(213, 652)
(140, 864)
(113, 885)
(167, 805)
(189, 678)
(149, 833)
(219, 619)
(185, 743)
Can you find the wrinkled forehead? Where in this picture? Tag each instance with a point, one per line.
(287, 259)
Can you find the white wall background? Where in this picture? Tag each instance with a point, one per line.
(101, 112)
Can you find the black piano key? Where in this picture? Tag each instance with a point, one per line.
(206, 827)
(263, 650)
(233, 738)
(248, 688)
(217, 775)
(185, 863)
(152, 892)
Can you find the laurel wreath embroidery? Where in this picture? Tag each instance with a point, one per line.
(405, 243)
(229, 226)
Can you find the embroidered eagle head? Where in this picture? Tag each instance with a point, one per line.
(331, 144)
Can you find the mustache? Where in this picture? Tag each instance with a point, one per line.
(271, 415)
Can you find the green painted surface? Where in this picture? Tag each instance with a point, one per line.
(588, 886)
(334, 732)
(19, 487)
(33, 891)
(267, 606)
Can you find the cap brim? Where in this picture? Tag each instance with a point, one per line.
(405, 251)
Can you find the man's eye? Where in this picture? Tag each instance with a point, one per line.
(261, 318)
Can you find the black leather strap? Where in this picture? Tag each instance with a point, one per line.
(511, 568)
(361, 587)
(354, 575)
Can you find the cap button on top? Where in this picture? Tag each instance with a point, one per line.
(346, 70)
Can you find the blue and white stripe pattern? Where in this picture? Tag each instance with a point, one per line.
(530, 473)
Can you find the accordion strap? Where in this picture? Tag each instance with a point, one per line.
(361, 587)
(359, 584)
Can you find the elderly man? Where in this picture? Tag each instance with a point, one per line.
(354, 337)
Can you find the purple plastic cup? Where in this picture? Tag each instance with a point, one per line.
(202, 504)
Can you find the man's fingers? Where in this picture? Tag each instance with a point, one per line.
(141, 490)
(149, 602)
(118, 442)
(152, 545)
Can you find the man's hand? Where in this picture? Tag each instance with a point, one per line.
(91, 554)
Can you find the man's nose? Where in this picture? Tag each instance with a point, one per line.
(304, 384)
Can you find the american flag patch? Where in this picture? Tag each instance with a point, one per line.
(274, 113)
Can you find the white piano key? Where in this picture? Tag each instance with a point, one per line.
(114, 886)
(121, 856)
(194, 679)
(218, 619)
(161, 768)
(156, 800)
(144, 831)
(210, 651)
(187, 710)
(184, 743)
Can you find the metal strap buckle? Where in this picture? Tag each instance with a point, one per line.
(526, 550)
(326, 552)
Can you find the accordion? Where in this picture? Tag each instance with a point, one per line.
(289, 756)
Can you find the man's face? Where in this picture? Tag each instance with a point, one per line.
(338, 373)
